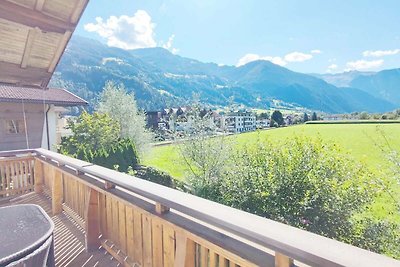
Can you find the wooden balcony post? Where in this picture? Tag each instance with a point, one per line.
(282, 260)
(180, 253)
(92, 223)
(161, 209)
(108, 185)
(38, 176)
(56, 191)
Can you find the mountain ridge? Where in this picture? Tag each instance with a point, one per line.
(161, 79)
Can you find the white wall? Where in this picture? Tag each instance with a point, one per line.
(52, 117)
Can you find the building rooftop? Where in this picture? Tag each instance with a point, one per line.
(59, 97)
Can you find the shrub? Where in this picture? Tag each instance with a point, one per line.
(121, 156)
(305, 183)
(156, 176)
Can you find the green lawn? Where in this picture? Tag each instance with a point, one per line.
(362, 141)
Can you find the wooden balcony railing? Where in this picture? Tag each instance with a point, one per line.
(145, 224)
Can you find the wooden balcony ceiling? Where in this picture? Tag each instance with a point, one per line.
(69, 237)
(33, 37)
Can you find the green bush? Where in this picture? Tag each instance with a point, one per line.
(156, 176)
(121, 156)
(378, 236)
(306, 183)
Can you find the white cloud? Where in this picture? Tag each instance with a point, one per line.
(253, 57)
(126, 32)
(168, 45)
(316, 51)
(380, 53)
(331, 68)
(297, 57)
(363, 64)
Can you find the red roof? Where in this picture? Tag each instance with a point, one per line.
(60, 97)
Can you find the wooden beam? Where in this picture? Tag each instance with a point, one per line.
(38, 176)
(39, 5)
(161, 209)
(28, 46)
(60, 50)
(92, 222)
(282, 260)
(33, 18)
(56, 191)
(78, 11)
(181, 259)
(14, 74)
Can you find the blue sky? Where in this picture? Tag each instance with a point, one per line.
(306, 36)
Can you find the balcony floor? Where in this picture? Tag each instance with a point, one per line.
(68, 237)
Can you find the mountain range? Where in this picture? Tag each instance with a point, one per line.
(161, 79)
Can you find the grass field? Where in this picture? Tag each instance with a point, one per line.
(364, 142)
(361, 141)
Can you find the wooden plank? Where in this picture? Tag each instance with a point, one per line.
(78, 11)
(12, 179)
(10, 192)
(213, 258)
(38, 176)
(122, 226)
(28, 46)
(203, 256)
(180, 258)
(190, 258)
(56, 191)
(8, 176)
(282, 260)
(147, 242)
(75, 216)
(115, 234)
(129, 232)
(161, 209)
(109, 216)
(222, 261)
(39, 5)
(33, 18)
(115, 252)
(103, 215)
(92, 223)
(60, 50)
(168, 245)
(3, 184)
(157, 242)
(138, 240)
(19, 176)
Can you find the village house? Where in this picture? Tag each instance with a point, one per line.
(240, 121)
(29, 116)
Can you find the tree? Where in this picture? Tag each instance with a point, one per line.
(122, 107)
(262, 116)
(363, 115)
(90, 132)
(277, 117)
(314, 116)
(205, 157)
(305, 117)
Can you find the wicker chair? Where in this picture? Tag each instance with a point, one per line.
(40, 257)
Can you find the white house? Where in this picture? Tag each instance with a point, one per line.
(240, 121)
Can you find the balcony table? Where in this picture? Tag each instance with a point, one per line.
(24, 229)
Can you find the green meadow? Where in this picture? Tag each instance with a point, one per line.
(367, 143)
